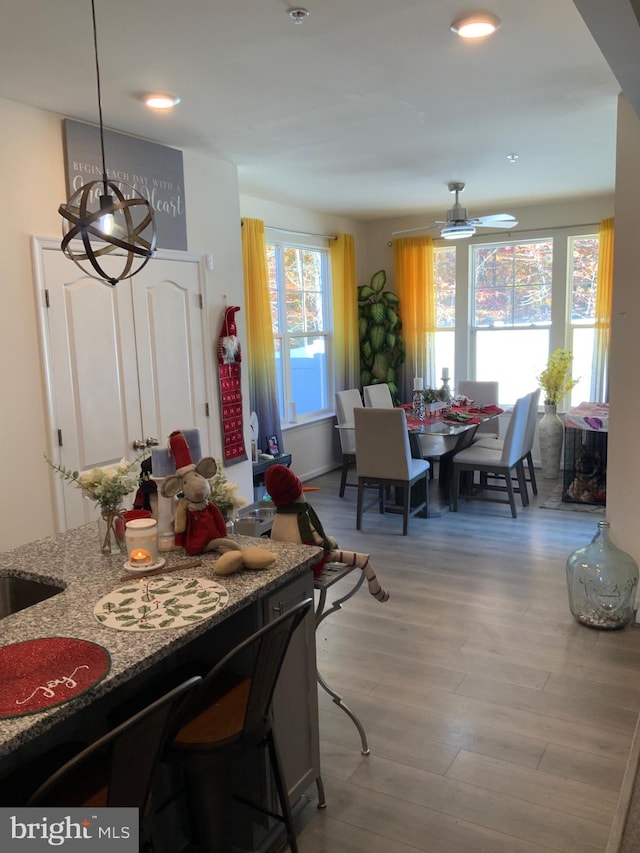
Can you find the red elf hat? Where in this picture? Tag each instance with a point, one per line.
(282, 484)
(181, 453)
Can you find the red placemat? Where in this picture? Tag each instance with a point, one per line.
(39, 674)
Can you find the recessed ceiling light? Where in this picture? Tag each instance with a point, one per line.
(157, 101)
(476, 26)
(298, 14)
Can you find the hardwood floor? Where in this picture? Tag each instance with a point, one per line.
(496, 723)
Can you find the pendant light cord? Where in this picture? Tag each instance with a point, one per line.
(95, 46)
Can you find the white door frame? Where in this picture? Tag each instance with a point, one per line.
(39, 245)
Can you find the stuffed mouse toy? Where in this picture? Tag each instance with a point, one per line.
(198, 523)
(297, 522)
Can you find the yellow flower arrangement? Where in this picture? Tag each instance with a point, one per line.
(556, 380)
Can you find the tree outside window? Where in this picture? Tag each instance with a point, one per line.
(512, 285)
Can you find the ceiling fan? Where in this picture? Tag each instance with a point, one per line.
(459, 224)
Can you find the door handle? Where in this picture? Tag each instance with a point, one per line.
(152, 442)
(139, 444)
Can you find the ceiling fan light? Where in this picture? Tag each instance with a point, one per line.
(476, 26)
(457, 232)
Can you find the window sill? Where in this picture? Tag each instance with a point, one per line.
(287, 426)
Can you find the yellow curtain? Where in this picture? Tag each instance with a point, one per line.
(263, 388)
(413, 263)
(345, 312)
(604, 298)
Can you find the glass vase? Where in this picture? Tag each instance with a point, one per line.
(111, 526)
(602, 581)
(419, 407)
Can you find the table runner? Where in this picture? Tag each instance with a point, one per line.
(39, 674)
(159, 602)
(470, 415)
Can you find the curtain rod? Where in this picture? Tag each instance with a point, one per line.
(301, 233)
(523, 232)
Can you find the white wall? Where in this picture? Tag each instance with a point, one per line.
(32, 180)
(623, 463)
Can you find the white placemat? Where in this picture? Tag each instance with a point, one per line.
(160, 602)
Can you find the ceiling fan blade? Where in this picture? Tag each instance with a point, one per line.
(501, 219)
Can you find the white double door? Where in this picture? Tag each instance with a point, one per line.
(124, 365)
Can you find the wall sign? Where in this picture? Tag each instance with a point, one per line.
(154, 171)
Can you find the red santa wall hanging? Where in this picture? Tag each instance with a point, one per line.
(229, 354)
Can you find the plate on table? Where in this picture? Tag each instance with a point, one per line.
(159, 602)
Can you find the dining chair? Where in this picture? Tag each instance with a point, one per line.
(532, 421)
(120, 768)
(383, 459)
(346, 402)
(496, 463)
(482, 394)
(231, 716)
(377, 396)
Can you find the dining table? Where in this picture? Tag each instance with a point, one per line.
(453, 429)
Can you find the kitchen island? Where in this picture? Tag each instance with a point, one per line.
(142, 659)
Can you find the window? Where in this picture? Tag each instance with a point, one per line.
(300, 312)
(583, 274)
(444, 280)
(511, 317)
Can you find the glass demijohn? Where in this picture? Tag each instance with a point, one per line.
(602, 581)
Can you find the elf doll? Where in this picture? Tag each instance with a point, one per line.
(296, 522)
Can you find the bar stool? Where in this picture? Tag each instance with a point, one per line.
(120, 768)
(231, 715)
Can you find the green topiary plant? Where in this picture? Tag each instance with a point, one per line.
(381, 345)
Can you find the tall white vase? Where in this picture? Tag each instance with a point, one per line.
(550, 436)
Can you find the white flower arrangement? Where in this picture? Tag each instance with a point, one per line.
(224, 494)
(105, 486)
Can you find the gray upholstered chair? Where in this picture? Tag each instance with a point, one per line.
(491, 462)
(482, 394)
(346, 402)
(377, 396)
(532, 421)
(383, 459)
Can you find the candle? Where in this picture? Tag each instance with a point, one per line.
(445, 372)
(418, 384)
(140, 557)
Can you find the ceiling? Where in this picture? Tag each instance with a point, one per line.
(367, 109)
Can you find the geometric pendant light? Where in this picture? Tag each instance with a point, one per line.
(105, 218)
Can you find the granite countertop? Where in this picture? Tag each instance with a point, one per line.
(72, 560)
